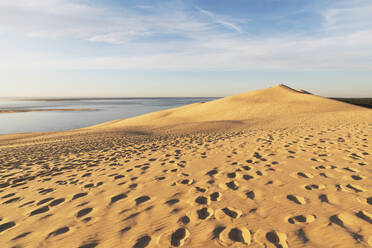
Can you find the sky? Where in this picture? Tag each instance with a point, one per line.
(153, 48)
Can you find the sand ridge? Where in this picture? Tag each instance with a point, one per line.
(276, 103)
(246, 182)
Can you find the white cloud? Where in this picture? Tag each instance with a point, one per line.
(352, 52)
(204, 47)
(59, 19)
(48, 18)
(350, 17)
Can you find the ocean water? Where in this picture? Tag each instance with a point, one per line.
(107, 110)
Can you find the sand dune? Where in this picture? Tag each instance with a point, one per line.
(268, 168)
(278, 104)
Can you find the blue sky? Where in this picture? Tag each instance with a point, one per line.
(184, 47)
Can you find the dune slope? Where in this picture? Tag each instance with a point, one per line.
(295, 171)
(278, 103)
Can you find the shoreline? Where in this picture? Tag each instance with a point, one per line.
(158, 121)
(12, 111)
(106, 98)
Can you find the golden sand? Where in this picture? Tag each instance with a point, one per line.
(270, 168)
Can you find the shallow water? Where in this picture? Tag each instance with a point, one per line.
(107, 110)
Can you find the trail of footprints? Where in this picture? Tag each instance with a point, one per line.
(122, 164)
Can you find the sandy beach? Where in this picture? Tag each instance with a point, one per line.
(275, 167)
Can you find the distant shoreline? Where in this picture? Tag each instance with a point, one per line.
(99, 99)
(359, 101)
(10, 111)
(363, 102)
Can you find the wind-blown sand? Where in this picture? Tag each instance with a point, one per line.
(269, 168)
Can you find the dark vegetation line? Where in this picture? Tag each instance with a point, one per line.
(364, 102)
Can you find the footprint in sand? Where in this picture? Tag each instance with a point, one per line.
(228, 212)
(171, 202)
(232, 185)
(91, 244)
(8, 195)
(186, 181)
(364, 215)
(231, 175)
(354, 188)
(133, 186)
(6, 226)
(204, 213)
(21, 235)
(142, 199)
(314, 186)
(351, 169)
(83, 212)
(247, 177)
(201, 200)
(15, 199)
(278, 239)
(142, 242)
(79, 195)
(125, 229)
(59, 231)
(201, 189)
(357, 177)
(323, 198)
(44, 201)
(184, 220)
(301, 219)
(117, 198)
(179, 237)
(302, 175)
(212, 172)
(40, 210)
(324, 167)
(160, 178)
(215, 196)
(296, 199)
(232, 235)
(250, 194)
(56, 202)
(45, 191)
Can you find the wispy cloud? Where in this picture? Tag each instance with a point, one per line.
(60, 19)
(220, 20)
(351, 52)
(349, 17)
(178, 38)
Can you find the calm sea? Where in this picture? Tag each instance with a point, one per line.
(107, 110)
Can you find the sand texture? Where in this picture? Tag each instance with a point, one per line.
(269, 168)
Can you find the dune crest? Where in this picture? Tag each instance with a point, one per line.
(278, 103)
(303, 91)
